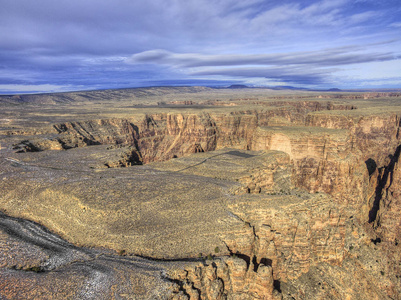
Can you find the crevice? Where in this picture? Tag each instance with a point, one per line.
(255, 264)
(180, 285)
(182, 259)
(244, 257)
(25, 146)
(266, 262)
(277, 285)
(203, 161)
(383, 177)
(263, 261)
(371, 166)
(376, 241)
(135, 136)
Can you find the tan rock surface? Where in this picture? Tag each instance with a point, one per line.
(121, 208)
(290, 196)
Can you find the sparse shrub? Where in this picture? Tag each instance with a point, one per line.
(217, 250)
(36, 269)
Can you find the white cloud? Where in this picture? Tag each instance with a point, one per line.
(306, 67)
(26, 88)
(396, 25)
(363, 17)
(326, 57)
(78, 42)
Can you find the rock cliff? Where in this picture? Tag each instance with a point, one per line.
(255, 199)
(329, 154)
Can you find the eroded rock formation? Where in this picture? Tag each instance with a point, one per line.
(279, 200)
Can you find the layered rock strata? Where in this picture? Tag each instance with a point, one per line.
(328, 153)
(304, 206)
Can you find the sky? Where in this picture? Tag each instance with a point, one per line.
(67, 45)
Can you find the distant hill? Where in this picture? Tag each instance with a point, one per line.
(238, 86)
(287, 87)
(99, 95)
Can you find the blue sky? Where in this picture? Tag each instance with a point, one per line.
(63, 45)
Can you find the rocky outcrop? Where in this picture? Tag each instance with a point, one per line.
(375, 135)
(95, 132)
(385, 215)
(328, 154)
(283, 227)
(303, 204)
(292, 234)
(323, 159)
(225, 278)
(37, 144)
(386, 209)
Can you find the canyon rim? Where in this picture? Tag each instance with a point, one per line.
(200, 193)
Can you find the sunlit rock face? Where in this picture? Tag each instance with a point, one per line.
(216, 196)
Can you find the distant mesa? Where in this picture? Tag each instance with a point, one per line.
(286, 87)
(238, 86)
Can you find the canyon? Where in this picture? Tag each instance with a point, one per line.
(200, 193)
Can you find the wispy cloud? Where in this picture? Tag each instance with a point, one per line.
(327, 57)
(363, 17)
(80, 42)
(396, 25)
(307, 67)
(34, 88)
(284, 74)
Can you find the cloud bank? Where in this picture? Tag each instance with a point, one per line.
(101, 44)
(328, 57)
(308, 67)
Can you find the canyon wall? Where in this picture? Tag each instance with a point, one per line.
(330, 152)
(336, 167)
